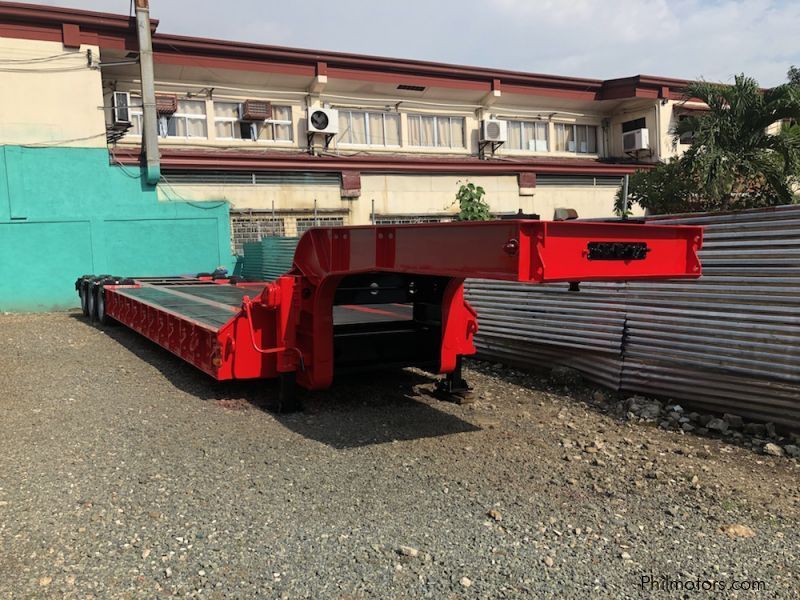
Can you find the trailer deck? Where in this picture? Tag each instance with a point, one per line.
(361, 298)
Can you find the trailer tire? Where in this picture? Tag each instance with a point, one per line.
(83, 293)
(100, 307)
(91, 301)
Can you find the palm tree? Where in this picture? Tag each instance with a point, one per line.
(734, 157)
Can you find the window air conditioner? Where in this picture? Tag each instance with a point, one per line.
(638, 139)
(255, 110)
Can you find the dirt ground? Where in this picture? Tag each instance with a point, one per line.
(125, 473)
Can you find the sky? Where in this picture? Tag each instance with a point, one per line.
(601, 39)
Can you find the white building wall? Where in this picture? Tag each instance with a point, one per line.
(57, 101)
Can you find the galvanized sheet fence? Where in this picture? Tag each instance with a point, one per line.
(728, 342)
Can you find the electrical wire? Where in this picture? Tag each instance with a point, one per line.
(56, 143)
(41, 59)
(122, 167)
(187, 201)
(33, 71)
(166, 186)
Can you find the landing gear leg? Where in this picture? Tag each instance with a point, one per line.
(454, 388)
(287, 397)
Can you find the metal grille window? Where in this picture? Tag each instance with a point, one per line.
(409, 219)
(581, 139)
(228, 126)
(252, 226)
(305, 223)
(188, 121)
(369, 128)
(527, 135)
(435, 131)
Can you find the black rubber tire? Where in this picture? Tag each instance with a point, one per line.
(100, 307)
(91, 304)
(83, 293)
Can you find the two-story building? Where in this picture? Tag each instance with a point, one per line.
(265, 140)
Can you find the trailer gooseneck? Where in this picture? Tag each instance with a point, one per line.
(370, 297)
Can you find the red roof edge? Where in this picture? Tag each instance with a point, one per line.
(285, 161)
(55, 15)
(121, 26)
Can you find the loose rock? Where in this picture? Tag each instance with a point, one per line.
(737, 530)
(717, 424)
(772, 449)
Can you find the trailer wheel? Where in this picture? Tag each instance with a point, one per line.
(100, 304)
(91, 301)
(83, 293)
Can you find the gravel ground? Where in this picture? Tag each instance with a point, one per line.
(125, 473)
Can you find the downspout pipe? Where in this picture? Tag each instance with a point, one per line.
(149, 115)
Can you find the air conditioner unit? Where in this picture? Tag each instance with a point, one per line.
(255, 110)
(638, 139)
(120, 107)
(323, 120)
(494, 130)
(166, 104)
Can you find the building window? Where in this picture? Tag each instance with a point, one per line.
(369, 128)
(640, 123)
(688, 137)
(228, 126)
(189, 121)
(581, 139)
(435, 131)
(303, 224)
(527, 135)
(135, 112)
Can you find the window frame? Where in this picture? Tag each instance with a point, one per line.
(163, 122)
(367, 136)
(535, 123)
(574, 127)
(254, 125)
(435, 144)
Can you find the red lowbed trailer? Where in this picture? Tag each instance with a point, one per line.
(370, 297)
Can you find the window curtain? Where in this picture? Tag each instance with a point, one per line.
(443, 132)
(376, 136)
(515, 135)
(358, 128)
(565, 137)
(392, 121)
(428, 135)
(414, 130)
(344, 128)
(457, 132)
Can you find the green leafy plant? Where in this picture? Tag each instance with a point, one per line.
(736, 160)
(472, 206)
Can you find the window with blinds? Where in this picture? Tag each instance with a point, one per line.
(581, 139)
(369, 128)
(527, 135)
(435, 131)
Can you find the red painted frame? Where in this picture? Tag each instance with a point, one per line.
(288, 327)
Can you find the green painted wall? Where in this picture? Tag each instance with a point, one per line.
(66, 211)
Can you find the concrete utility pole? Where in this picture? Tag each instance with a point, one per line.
(150, 118)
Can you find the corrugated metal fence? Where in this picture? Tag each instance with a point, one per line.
(729, 342)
